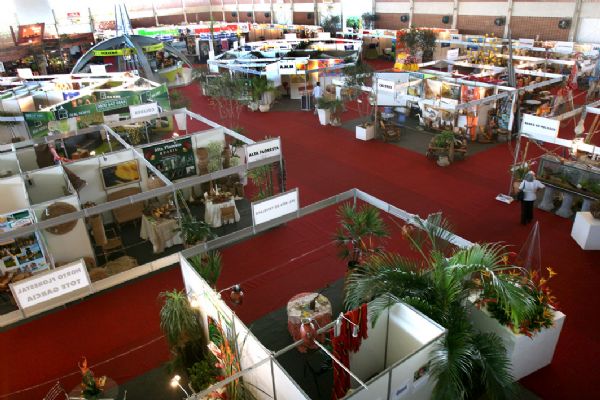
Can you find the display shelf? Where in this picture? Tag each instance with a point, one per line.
(571, 177)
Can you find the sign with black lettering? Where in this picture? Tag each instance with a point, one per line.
(287, 67)
(534, 125)
(50, 285)
(275, 207)
(385, 85)
(261, 150)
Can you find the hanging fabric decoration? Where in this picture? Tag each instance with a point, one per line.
(349, 339)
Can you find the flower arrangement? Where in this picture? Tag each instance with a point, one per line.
(544, 303)
(91, 387)
(222, 347)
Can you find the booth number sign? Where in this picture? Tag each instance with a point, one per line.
(385, 85)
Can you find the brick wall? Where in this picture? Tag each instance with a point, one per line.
(390, 21)
(546, 28)
(430, 21)
(171, 19)
(143, 22)
(479, 25)
(301, 18)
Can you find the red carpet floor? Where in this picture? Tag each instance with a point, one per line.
(321, 161)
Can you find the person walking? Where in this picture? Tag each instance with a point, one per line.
(317, 94)
(529, 186)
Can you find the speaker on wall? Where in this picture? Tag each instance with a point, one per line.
(446, 19)
(564, 23)
(267, 15)
(500, 21)
(404, 18)
(249, 14)
(234, 14)
(309, 16)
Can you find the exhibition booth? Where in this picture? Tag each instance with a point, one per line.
(125, 207)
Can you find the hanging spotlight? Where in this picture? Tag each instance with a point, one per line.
(308, 332)
(236, 295)
(338, 324)
(175, 381)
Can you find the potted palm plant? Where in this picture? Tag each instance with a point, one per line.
(208, 266)
(355, 78)
(359, 233)
(182, 329)
(466, 363)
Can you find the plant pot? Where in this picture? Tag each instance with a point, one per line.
(525, 354)
(324, 115)
(365, 132)
(264, 107)
(443, 161)
(268, 97)
(253, 105)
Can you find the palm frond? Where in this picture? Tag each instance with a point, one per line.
(495, 367)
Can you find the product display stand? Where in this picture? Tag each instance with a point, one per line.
(547, 204)
(586, 231)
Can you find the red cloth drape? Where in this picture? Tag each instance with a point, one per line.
(343, 344)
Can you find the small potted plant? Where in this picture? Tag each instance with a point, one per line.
(324, 110)
(208, 265)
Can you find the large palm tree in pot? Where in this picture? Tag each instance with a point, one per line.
(466, 363)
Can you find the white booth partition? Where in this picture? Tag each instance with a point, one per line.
(47, 184)
(14, 194)
(9, 165)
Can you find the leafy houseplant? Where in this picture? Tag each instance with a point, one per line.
(178, 100)
(192, 230)
(353, 22)
(359, 232)
(182, 329)
(443, 140)
(229, 94)
(208, 266)
(466, 363)
(203, 373)
(262, 178)
(369, 20)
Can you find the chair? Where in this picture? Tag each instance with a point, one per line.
(56, 392)
(106, 244)
(228, 215)
(389, 131)
(130, 212)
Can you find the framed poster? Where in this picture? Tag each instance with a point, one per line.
(174, 159)
(24, 253)
(120, 174)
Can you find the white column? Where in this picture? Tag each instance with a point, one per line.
(508, 18)
(184, 13)
(575, 21)
(410, 13)
(223, 9)
(455, 14)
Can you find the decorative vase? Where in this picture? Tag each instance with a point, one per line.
(366, 132)
(264, 107)
(324, 115)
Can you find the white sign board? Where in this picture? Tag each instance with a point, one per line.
(324, 35)
(291, 36)
(50, 285)
(261, 150)
(275, 207)
(2, 67)
(98, 69)
(143, 110)
(534, 125)
(452, 54)
(563, 47)
(287, 67)
(527, 43)
(385, 86)
(24, 73)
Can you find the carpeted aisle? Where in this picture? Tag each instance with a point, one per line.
(321, 161)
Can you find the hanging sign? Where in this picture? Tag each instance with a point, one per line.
(534, 125)
(262, 150)
(386, 86)
(37, 122)
(143, 110)
(275, 207)
(526, 43)
(287, 67)
(452, 54)
(50, 285)
(563, 47)
(153, 47)
(174, 159)
(127, 51)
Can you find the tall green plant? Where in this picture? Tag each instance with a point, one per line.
(182, 329)
(208, 265)
(439, 283)
(359, 231)
(229, 93)
(355, 77)
(262, 178)
(192, 230)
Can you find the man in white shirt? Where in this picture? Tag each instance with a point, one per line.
(317, 94)
(529, 186)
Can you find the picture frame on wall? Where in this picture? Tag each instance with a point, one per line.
(120, 174)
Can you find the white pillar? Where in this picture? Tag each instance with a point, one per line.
(508, 18)
(575, 21)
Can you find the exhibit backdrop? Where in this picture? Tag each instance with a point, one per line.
(174, 159)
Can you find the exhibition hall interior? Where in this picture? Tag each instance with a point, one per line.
(299, 199)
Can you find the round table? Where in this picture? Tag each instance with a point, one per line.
(298, 309)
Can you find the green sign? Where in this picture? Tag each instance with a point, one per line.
(37, 122)
(158, 95)
(156, 32)
(153, 47)
(174, 159)
(127, 51)
(112, 104)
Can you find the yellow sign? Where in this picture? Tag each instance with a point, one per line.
(117, 52)
(153, 47)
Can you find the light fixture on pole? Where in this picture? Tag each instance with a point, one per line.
(175, 381)
(236, 295)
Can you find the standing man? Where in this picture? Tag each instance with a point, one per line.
(317, 94)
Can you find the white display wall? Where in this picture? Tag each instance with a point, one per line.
(14, 194)
(46, 184)
(9, 165)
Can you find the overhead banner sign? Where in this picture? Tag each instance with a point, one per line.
(153, 47)
(127, 51)
(143, 110)
(261, 150)
(534, 125)
(386, 86)
(50, 285)
(275, 207)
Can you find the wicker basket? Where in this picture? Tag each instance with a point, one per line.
(56, 210)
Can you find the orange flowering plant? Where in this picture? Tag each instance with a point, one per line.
(91, 387)
(544, 302)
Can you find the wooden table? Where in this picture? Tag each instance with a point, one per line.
(298, 309)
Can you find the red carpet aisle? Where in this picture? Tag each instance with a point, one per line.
(99, 328)
(322, 161)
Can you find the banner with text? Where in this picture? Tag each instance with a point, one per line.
(261, 150)
(275, 207)
(50, 285)
(534, 125)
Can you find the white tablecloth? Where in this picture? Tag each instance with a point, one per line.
(212, 212)
(160, 232)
